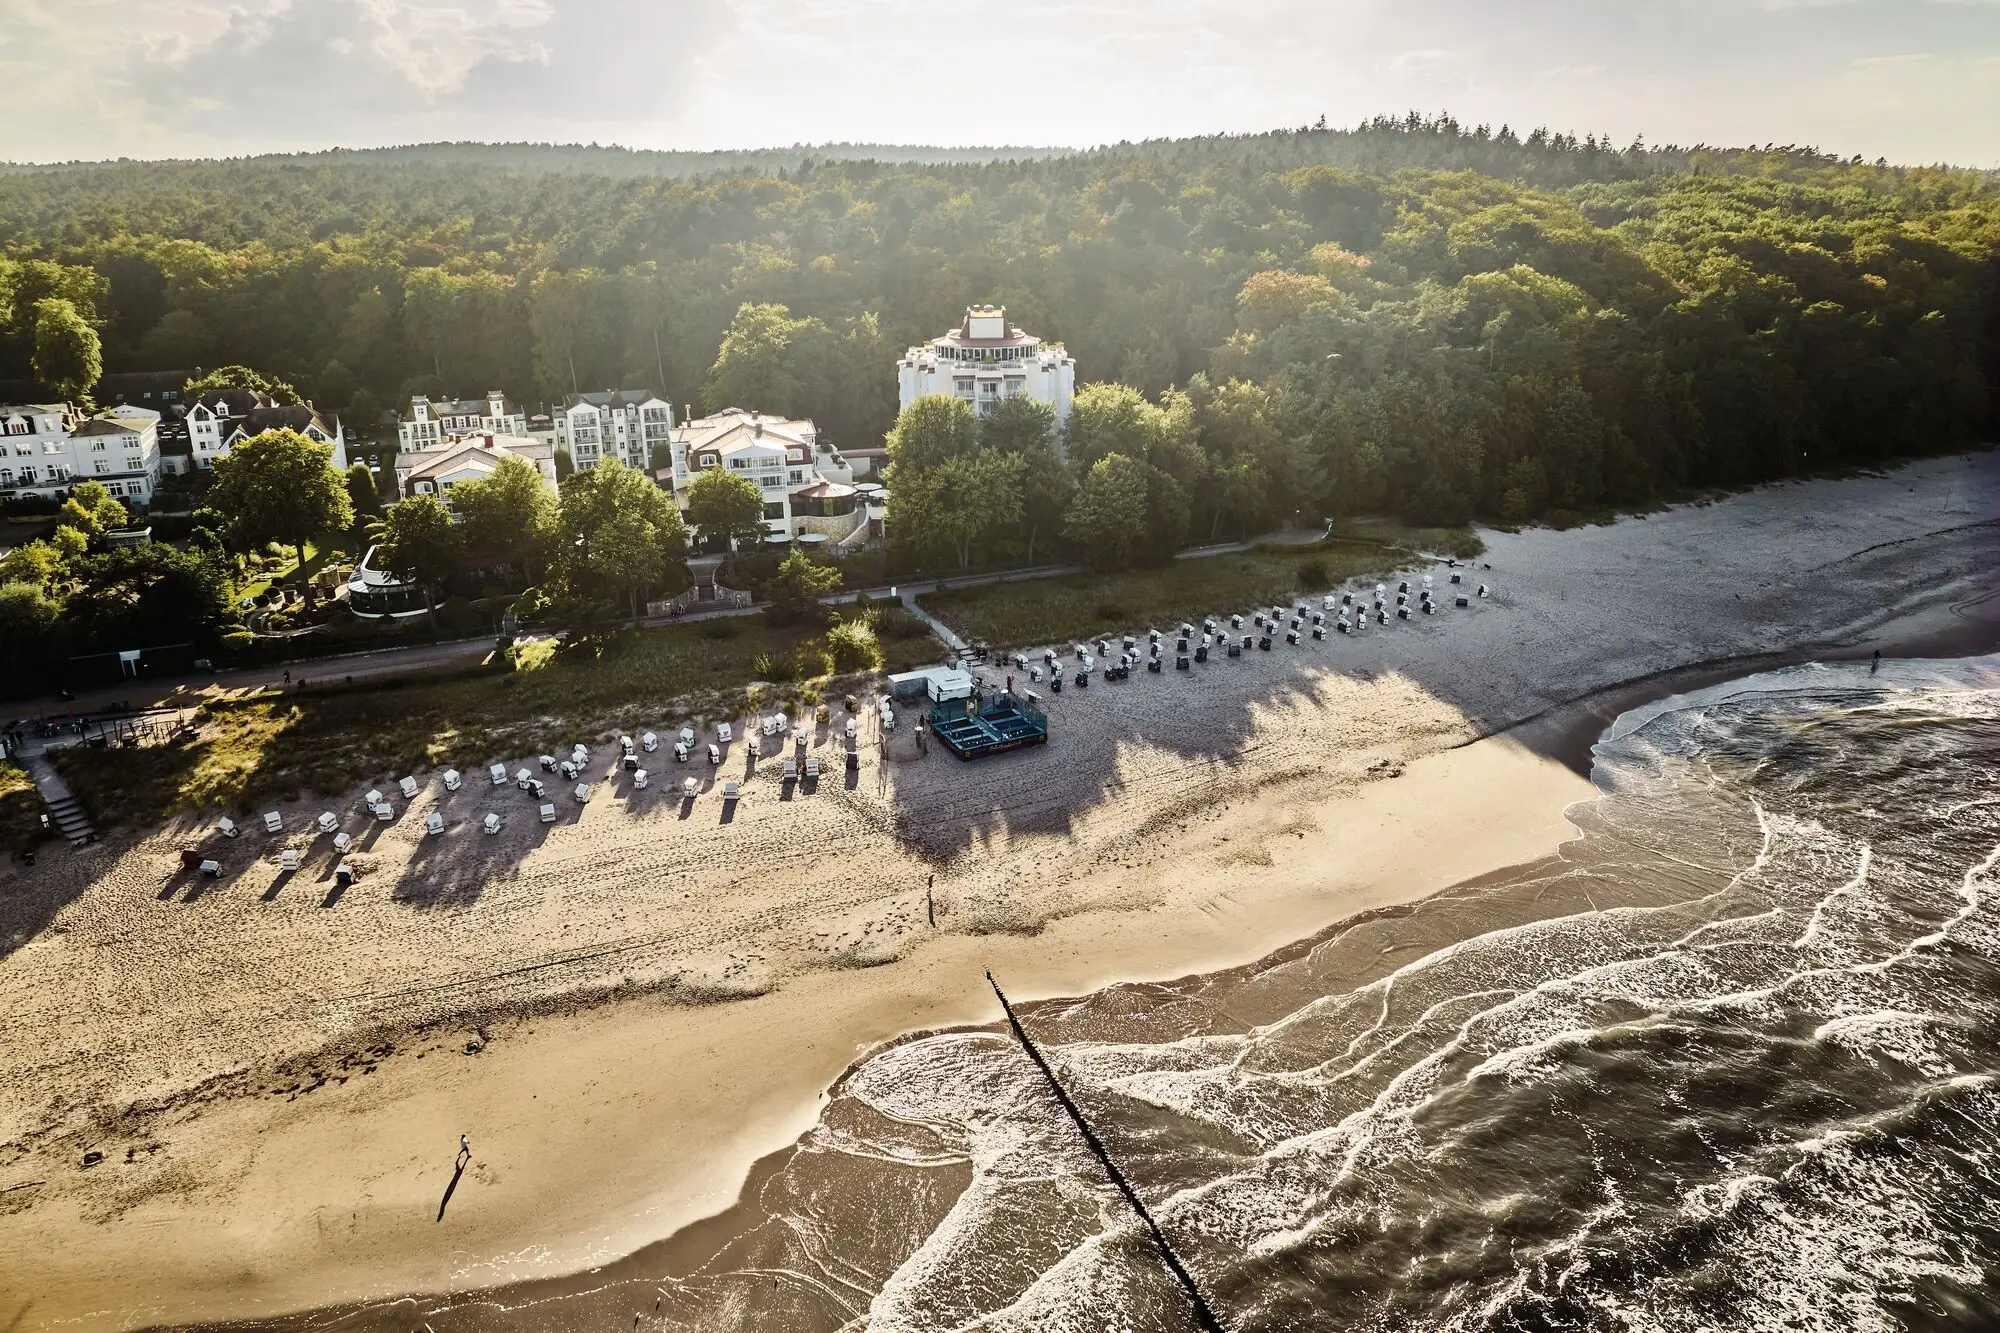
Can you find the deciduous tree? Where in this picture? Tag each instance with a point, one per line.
(280, 486)
(420, 544)
(725, 506)
(69, 357)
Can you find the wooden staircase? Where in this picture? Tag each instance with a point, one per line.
(65, 811)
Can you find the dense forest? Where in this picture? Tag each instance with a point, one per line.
(1414, 316)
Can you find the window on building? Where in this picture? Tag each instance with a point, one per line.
(774, 510)
(797, 477)
(103, 465)
(6, 476)
(97, 446)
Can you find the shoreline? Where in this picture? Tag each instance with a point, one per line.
(1180, 832)
(815, 1028)
(1580, 723)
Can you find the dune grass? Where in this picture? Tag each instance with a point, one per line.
(1084, 605)
(20, 807)
(283, 745)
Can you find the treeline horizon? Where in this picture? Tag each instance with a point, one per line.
(1414, 315)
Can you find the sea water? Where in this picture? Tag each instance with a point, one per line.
(1730, 1061)
(1754, 1089)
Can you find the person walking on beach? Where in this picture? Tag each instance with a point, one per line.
(464, 1146)
(1875, 663)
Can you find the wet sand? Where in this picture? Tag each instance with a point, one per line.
(629, 1009)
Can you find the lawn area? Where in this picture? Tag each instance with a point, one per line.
(1085, 605)
(281, 746)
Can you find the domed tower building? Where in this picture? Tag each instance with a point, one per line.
(984, 362)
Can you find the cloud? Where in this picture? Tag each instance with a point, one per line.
(155, 77)
(236, 75)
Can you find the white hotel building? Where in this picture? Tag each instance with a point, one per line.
(624, 424)
(45, 450)
(984, 362)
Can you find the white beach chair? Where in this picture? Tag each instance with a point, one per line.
(732, 790)
(343, 874)
(452, 782)
(491, 823)
(547, 763)
(791, 770)
(582, 793)
(498, 772)
(755, 749)
(888, 720)
(690, 788)
(548, 812)
(649, 742)
(639, 779)
(385, 812)
(433, 824)
(409, 786)
(569, 770)
(273, 823)
(327, 822)
(342, 841)
(724, 732)
(687, 736)
(212, 869)
(522, 777)
(714, 754)
(288, 859)
(625, 744)
(812, 768)
(680, 752)
(372, 799)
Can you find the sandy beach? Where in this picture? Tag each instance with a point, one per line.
(627, 1008)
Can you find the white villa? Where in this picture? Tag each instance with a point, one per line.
(45, 449)
(431, 421)
(435, 469)
(808, 488)
(616, 423)
(984, 362)
(219, 420)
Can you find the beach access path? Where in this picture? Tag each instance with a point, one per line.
(172, 693)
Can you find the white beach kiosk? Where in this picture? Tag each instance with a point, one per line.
(938, 684)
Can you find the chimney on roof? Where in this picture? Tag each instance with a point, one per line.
(757, 427)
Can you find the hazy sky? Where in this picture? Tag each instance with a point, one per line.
(1912, 80)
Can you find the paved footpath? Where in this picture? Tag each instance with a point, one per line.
(142, 696)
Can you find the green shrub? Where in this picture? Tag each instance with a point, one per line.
(852, 646)
(771, 667)
(812, 660)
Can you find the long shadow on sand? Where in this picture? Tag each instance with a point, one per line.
(1578, 626)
